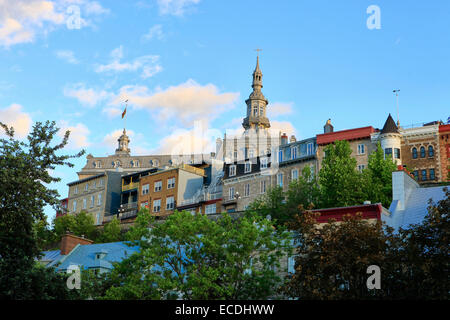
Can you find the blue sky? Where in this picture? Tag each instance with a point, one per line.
(184, 61)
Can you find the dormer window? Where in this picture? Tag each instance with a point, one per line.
(232, 170)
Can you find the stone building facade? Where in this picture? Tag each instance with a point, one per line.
(444, 151)
(98, 195)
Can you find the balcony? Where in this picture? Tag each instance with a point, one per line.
(131, 186)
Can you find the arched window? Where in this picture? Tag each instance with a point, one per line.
(430, 151)
(255, 111)
(422, 152)
(414, 153)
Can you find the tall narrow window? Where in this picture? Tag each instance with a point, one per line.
(432, 175)
(157, 205)
(232, 170)
(99, 199)
(430, 151)
(422, 152)
(145, 189)
(171, 183)
(263, 186)
(416, 175)
(170, 203)
(84, 203)
(397, 153)
(309, 149)
(74, 205)
(280, 155)
(247, 190)
(263, 163)
(414, 153)
(361, 148)
(92, 201)
(424, 175)
(231, 193)
(294, 174)
(158, 186)
(280, 179)
(248, 167)
(294, 153)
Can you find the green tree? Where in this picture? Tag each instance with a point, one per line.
(25, 168)
(378, 184)
(45, 237)
(195, 257)
(425, 254)
(111, 231)
(62, 225)
(333, 259)
(141, 226)
(283, 206)
(341, 184)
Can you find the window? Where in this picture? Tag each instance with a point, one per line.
(157, 205)
(210, 208)
(248, 167)
(416, 175)
(84, 203)
(280, 179)
(280, 155)
(397, 153)
(145, 189)
(247, 190)
(361, 167)
(235, 154)
(158, 186)
(261, 111)
(310, 149)
(170, 203)
(99, 199)
(171, 183)
(430, 151)
(74, 205)
(263, 186)
(432, 176)
(424, 174)
(76, 190)
(294, 174)
(291, 264)
(255, 111)
(414, 153)
(251, 153)
(94, 184)
(263, 163)
(99, 218)
(86, 187)
(155, 162)
(388, 153)
(293, 152)
(232, 170)
(422, 152)
(361, 148)
(99, 164)
(92, 201)
(101, 183)
(231, 193)
(144, 204)
(135, 163)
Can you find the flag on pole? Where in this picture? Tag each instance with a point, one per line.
(125, 111)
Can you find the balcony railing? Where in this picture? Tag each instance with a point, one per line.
(128, 206)
(130, 186)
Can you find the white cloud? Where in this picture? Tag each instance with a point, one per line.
(66, 55)
(175, 7)
(154, 32)
(148, 64)
(86, 96)
(79, 133)
(13, 116)
(186, 102)
(279, 109)
(112, 112)
(22, 20)
(283, 126)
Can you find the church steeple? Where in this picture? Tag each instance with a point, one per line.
(124, 141)
(256, 103)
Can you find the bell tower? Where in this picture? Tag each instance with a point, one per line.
(256, 104)
(124, 141)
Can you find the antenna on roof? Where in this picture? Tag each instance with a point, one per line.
(396, 95)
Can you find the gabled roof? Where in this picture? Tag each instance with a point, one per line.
(85, 255)
(389, 126)
(416, 207)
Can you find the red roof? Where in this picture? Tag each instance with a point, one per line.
(350, 134)
(444, 128)
(368, 211)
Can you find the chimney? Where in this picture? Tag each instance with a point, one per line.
(328, 127)
(293, 139)
(402, 186)
(284, 139)
(70, 241)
